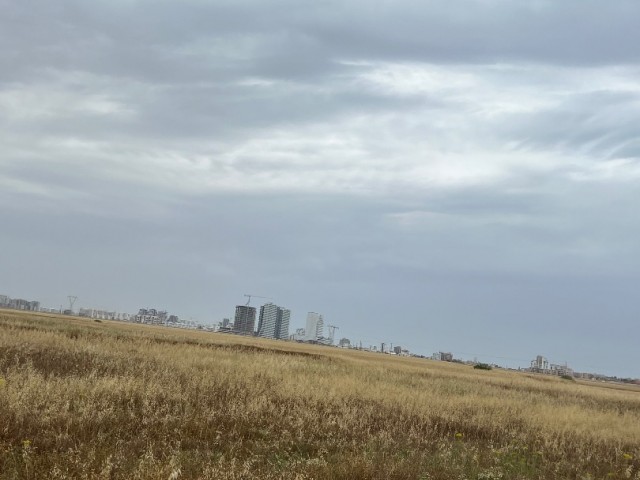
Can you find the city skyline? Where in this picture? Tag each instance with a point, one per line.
(274, 324)
(277, 319)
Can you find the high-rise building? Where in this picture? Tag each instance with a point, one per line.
(245, 320)
(315, 326)
(274, 321)
(282, 327)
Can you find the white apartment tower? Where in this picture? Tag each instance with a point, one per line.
(274, 321)
(282, 326)
(315, 326)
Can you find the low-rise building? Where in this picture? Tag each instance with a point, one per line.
(97, 314)
(541, 365)
(19, 303)
(151, 316)
(443, 356)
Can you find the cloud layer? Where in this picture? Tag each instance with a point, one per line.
(420, 172)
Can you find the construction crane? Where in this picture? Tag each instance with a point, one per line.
(332, 331)
(254, 296)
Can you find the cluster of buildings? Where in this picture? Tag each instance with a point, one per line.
(19, 304)
(153, 316)
(541, 365)
(103, 314)
(150, 316)
(443, 356)
(385, 348)
(273, 321)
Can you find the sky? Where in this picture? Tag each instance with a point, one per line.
(444, 175)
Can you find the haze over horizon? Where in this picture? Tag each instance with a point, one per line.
(457, 176)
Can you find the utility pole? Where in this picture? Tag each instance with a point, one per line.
(72, 301)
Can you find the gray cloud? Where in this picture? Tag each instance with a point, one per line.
(448, 175)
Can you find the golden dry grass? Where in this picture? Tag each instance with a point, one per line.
(106, 400)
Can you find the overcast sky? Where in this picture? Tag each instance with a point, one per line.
(444, 175)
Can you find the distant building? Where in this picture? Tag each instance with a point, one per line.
(443, 356)
(19, 304)
(282, 326)
(274, 321)
(245, 320)
(560, 370)
(315, 326)
(397, 349)
(299, 336)
(151, 316)
(225, 326)
(97, 314)
(541, 365)
(49, 310)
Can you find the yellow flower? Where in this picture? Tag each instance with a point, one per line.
(627, 456)
(459, 435)
(26, 443)
(3, 382)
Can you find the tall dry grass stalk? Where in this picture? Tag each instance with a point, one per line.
(87, 400)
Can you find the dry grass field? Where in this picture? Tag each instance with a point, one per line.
(105, 400)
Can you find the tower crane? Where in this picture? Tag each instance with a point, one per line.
(254, 296)
(332, 331)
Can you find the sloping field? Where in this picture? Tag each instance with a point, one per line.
(106, 400)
